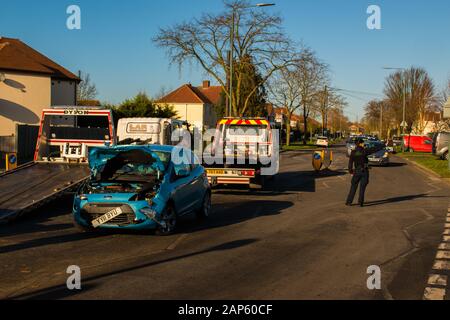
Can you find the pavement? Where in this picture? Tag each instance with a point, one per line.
(295, 240)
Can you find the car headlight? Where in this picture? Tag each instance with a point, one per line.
(386, 155)
(149, 213)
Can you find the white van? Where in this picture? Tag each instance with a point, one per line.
(148, 130)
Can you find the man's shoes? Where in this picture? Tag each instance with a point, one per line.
(361, 204)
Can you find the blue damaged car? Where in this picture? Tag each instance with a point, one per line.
(141, 188)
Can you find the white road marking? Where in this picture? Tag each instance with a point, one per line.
(441, 265)
(444, 246)
(434, 294)
(437, 280)
(177, 242)
(443, 255)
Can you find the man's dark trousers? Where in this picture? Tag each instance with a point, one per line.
(361, 178)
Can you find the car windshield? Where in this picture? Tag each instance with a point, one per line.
(133, 165)
(373, 144)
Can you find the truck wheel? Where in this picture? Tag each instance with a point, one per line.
(80, 228)
(258, 184)
(205, 210)
(170, 219)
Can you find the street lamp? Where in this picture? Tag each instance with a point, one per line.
(233, 18)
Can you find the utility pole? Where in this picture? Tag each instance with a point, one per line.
(381, 121)
(325, 113)
(233, 18)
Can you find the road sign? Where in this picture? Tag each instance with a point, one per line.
(11, 161)
(447, 109)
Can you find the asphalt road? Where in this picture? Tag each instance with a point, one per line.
(297, 240)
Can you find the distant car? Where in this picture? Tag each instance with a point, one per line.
(141, 188)
(351, 143)
(418, 143)
(379, 158)
(441, 142)
(397, 141)
(322, 142)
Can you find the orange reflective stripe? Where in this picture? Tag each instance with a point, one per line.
(244, 122)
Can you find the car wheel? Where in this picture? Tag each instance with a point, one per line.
(168, 221)
(205, 210)
(80, 228)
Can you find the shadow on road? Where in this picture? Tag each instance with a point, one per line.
(396, 164)
(61, 291)
(222, 216)
(400, 199)
(229, 214)
(284, 183)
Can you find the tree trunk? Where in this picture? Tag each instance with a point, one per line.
(288, 129)
(305, 129)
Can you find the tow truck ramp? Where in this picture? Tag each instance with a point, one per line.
(32, 185)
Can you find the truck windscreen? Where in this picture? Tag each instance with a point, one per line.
(237, 130)
(77, 127)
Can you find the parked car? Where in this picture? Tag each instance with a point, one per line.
(397, 141)
(351, 143)
(441, 141)
(140, 188)
(418, 143)
(379, 158)
(322, 142)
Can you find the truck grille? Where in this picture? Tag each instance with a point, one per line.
(92, 211)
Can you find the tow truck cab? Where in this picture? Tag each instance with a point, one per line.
(67, 132)
(157, 131)
(241, 143)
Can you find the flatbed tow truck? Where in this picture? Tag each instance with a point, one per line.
(245, 149)
(60, 162)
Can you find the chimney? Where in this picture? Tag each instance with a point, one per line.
(206, 84)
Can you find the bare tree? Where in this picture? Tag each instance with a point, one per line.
(419, 91)
(86, 91)
(285, 93)
(312, 76)
(206, 42)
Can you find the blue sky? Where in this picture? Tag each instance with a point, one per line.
(115, 47)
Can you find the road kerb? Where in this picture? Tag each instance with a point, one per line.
(434, 294)
(441, 265)
(437, 280)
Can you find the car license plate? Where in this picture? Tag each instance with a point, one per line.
(107, 217)
(215, 172)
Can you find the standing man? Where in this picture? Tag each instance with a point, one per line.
(358, 166)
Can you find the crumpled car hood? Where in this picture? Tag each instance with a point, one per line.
(99, 156)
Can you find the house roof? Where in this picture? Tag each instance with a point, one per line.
(295, 117)
(17, 56)
(190, 94)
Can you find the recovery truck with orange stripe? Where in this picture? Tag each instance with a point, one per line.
(241, 149)
(60, 161)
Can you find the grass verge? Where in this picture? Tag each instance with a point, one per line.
(299, 146)
(429, 161)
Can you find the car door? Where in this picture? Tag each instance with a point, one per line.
(183, 186)
(198, 182)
